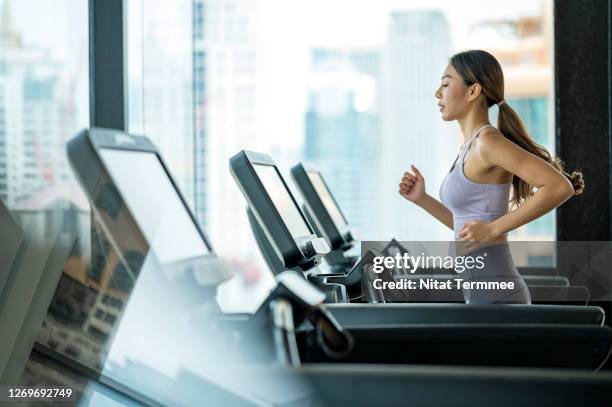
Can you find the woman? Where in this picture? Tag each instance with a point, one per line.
(492, 164)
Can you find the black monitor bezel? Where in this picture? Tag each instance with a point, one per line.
(337, 236)
(289, 248)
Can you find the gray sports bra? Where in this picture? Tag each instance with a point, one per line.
(469, 200)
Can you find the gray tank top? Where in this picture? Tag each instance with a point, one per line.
(469, 200)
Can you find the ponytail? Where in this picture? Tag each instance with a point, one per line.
(512, 127)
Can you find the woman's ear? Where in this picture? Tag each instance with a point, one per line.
(474, 91)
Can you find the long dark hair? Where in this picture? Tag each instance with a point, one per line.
(480, 67)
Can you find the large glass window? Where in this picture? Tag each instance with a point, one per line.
(160, 81)
(207, 78)
(44, 102)
(356, 97)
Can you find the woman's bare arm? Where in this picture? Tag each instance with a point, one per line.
(553, 188)
(437, 210)
(412, 187)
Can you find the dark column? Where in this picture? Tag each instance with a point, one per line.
(582, 102)
(107, 64)
(582, 106)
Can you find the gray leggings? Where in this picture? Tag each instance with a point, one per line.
(498, 267)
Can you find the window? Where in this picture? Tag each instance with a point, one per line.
(358, 102)
(160, 80)
(43, 103)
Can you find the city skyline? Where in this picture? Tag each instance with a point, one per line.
(37, 114)
(343, 129)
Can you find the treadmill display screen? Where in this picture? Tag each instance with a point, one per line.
(326, 198)
(282, 200)
(155, 204)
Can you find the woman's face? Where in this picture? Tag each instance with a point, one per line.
(453, 96)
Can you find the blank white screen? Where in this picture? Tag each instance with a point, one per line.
(155, 204)
(327, 199)
(286, 207)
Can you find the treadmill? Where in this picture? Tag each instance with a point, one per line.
(296, 326)
(324, 213)
(291, 315)
(287, 241)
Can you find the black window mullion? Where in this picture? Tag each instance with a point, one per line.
(107, 64)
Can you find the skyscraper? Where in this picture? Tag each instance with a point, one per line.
(167, 88)
(413, 60)
(343, 129)
(36, 112)
(199, 111)
(229, 49)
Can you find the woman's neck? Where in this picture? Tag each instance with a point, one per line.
(472, 121)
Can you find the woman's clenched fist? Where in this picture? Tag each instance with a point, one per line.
(412, 185)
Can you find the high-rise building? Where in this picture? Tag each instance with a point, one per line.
(36, 114)
(229, 52)
(343, 129)
(413, 60)
(199, 111)
(167, 89)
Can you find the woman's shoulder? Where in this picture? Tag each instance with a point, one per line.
(490, 137)
(491, 140)
(489, 133)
